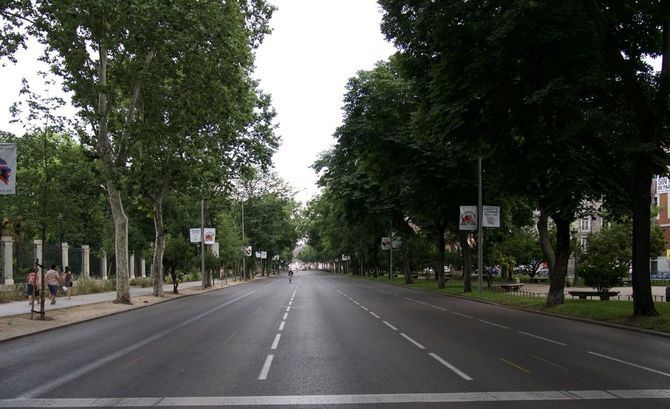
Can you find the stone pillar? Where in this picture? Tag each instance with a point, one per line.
(7, 258)
(131, 266)
(85, 261)
(37, 253)
(103, 265)
(143, 268)
(64, 255)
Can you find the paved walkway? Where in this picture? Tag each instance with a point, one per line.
(22, 307)
(625, 293)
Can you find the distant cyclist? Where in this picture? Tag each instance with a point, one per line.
(290, 275)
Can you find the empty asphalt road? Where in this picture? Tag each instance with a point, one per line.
(331, 341)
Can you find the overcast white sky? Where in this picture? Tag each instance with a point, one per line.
(316, 46)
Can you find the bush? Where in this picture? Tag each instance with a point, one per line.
(15, 293)
(603, 276)
(143, 282)
(88, 286)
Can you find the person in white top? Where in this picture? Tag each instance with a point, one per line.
(52, 279)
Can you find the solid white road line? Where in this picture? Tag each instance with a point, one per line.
(322, 400)
(494, 324)
(70, 376)
(630, 364)
(543, 338)
(388, 324)
(285, 315)
(462, 315)
(275, 343)
(407, 337)
(266, 368)
(374, 315)
(450, 366)
(281, 326)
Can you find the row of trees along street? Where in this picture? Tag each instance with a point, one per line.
(168, 114)
(559, 100)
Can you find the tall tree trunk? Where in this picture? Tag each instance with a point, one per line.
(643, 302)
(159, 244)
(404, 248)
(121, 245)
(440, 257)
(466, 254)
(556, 294)
(545, 241)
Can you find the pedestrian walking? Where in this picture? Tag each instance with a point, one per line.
(67, 282)
(32, 286)
(53, 280)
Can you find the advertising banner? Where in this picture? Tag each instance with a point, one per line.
(7, 168)
(386, 243)
(468, 218)
(491, 216)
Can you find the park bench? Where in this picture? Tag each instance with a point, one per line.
(582, 294)
(510, 286)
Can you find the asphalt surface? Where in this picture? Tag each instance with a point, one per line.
(331, 341)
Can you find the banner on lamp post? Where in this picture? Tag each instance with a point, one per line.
(7, 168)
(491, 216)
(468, 218)
(386, 243)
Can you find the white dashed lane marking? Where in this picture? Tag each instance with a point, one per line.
(388, 324)
(266, 368)
(450, 366)
(542, 338)
(407, 337)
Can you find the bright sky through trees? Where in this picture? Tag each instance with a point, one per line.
(316, 46)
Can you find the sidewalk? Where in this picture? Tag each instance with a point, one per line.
(625, 293)
(22, 307)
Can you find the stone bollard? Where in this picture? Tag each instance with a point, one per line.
(131, 266)
(64, 255)
(7, 257)
(86, 261)
(103, 265)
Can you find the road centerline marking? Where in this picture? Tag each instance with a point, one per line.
(285, 315)
(288, 309)
(549, 363)
(407, 337)
(421, 302)
(513, 365)
(542, 338)
(462, 315)
(374, 315)
(266, 368)
(439, 308)
(630, 364)
(275, 343)
(388, 324)
(365, 308)
(450, 366)
(281, 326)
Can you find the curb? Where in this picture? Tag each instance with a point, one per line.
(550, 314)
(117, 312)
